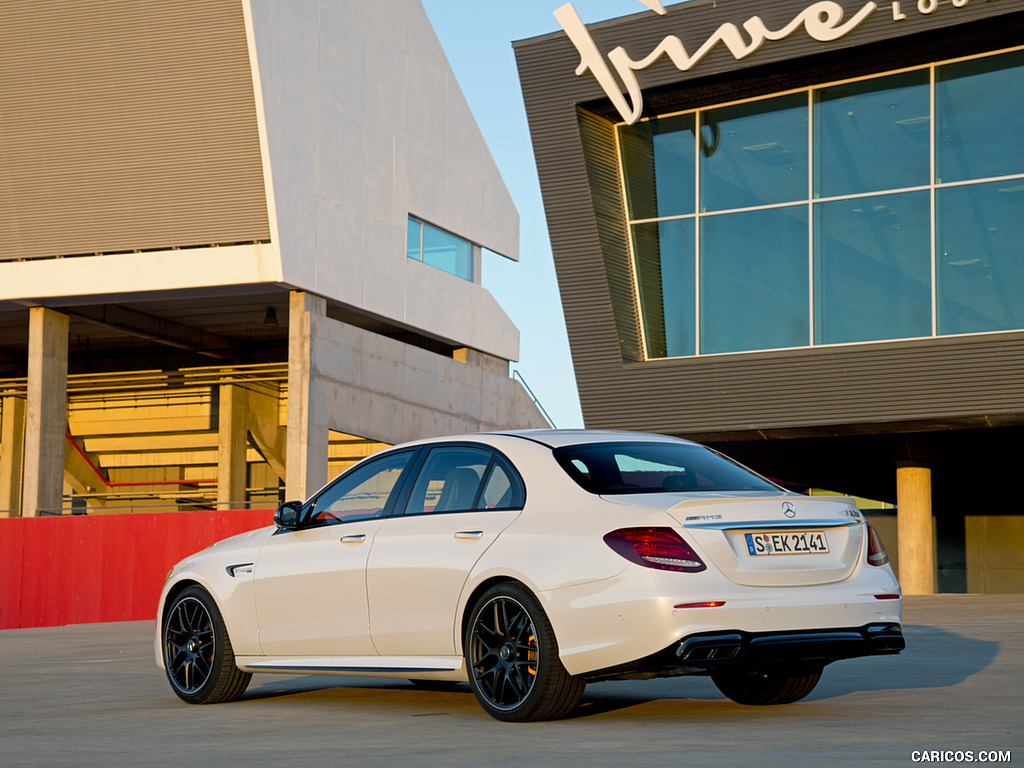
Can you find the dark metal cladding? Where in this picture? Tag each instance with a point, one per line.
(882, 387)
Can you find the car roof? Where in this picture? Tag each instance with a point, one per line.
(556, 438)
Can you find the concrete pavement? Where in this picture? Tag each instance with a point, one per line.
(91, 695)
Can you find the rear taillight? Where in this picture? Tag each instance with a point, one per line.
(660, 548)
(876, 551)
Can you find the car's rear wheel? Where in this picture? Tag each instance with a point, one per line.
(772, 686)
(198, 657)
(512, 658)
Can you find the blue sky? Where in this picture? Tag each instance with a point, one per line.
(477, 37)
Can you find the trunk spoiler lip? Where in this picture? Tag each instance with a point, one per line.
(733, 525)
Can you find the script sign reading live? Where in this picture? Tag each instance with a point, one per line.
(824, 21)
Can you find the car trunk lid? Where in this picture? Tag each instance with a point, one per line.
(787, 540)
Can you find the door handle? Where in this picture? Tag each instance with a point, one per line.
(355, 538)
(469, 535)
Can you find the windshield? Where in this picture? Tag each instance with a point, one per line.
(648, 467)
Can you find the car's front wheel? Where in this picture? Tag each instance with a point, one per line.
(772, 686)
(198, 658)
(512, 659)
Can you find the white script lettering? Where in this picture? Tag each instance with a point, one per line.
(822, 20)
(897, 14)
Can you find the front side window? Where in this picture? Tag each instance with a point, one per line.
(363, 493)
(646, 467)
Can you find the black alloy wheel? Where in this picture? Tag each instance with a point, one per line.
(771, 686)
(198, 657)
(512, 659)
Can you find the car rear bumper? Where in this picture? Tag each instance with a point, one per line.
(708, 652)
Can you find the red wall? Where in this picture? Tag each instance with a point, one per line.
(79, 570)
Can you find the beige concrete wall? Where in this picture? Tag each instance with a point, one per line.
(361, 383)
(366, 124)
(995, 561)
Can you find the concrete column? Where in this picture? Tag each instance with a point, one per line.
(308, 436)
(12, 453)
(232, 441)
(46, 411)
(914, 529)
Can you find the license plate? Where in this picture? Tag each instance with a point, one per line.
(787, 543)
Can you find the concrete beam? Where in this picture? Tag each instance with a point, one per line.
(307, 435)
(12, 453)
(46, 411)
(160, 330)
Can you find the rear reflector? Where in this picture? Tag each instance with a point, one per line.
(887, 597)
(660, 548)
(712, 604)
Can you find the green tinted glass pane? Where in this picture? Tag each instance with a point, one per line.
(412, 240)
(980, 120)
(658, 161)
(447, 252)
(754, 153)
(872, 135)
(754, 280)
(980, 231)
(665, 276)
(872, 268)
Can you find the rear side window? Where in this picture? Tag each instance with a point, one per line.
(463, 479)
(648, 467)
(449, 481)
(504, 489)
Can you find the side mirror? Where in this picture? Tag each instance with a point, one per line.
(288, 515)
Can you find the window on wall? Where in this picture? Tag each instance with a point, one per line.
(439, 249)
(889, 207)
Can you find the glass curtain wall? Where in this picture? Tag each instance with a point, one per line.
(890, 207)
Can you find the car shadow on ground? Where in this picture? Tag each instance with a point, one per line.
(934, 658)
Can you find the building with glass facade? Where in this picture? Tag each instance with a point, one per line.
(795, 231)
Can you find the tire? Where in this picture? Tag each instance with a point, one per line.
(198, 658)
(773, 686)
(512, 659)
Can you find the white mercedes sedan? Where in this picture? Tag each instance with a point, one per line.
(531, 563)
